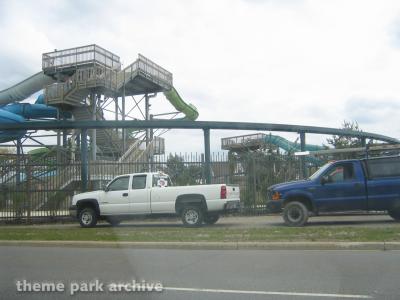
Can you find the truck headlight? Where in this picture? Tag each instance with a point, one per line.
(276, 196)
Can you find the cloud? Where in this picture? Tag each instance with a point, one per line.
(296, 62)
(372, 111)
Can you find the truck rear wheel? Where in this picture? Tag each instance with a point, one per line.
(113, 221)
(87, 217)
(192, 216)
(394, 214)
(211, 219)
(295, 214)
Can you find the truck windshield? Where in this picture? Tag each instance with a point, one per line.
(320, 171)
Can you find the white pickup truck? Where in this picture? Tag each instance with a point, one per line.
(152, 193)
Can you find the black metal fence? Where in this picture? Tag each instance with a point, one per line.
(36, 188)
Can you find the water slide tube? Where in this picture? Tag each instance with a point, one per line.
(289, 146)
(175, 99)
(293, 147)
(24, 89)
(11, 112)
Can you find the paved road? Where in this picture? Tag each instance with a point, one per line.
(224, 274)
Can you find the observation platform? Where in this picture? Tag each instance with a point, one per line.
(244, 142)
(68, 60)
(91, 68)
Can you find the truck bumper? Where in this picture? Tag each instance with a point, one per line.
(73, 211)
(232, 206)
(274, 206)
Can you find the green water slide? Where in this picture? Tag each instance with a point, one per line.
(289, 146)
(294, 147)
(189, 110)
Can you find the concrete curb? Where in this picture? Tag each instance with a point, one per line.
(214, 245)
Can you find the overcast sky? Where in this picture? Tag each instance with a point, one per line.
(298, 62)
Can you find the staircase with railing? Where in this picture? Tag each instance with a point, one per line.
(134, 160)
(107, 140)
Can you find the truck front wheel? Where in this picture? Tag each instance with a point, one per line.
(88, 217)
(295, 214)
(192, 216)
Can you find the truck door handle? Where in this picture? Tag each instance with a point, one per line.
(125, 195)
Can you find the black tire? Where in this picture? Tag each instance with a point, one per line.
(87, 217)
(192, 216)
(211, 219)
(394, 214)
(113, 221)
(295, 214)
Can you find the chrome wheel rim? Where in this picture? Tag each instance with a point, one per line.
(86, 218)
(191, 216)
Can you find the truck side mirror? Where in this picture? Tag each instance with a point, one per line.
(106, 188)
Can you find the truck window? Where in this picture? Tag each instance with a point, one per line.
(386, 167)
(340, 173)
(161, 181)
(139, 182)
(119, 184)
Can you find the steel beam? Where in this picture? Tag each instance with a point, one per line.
(180, 124)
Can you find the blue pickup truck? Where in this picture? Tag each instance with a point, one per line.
(348, 185)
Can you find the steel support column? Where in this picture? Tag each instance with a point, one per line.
(65, 139)
(147, 116)
(365, 145)
(302, 149)
(207, 156)
(58, 153)
(18, 166)
(123, 119)
(93, 133)
(84, 160)
(116, 111)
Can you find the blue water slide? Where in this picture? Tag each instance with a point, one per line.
(10, 118)
(12, 112)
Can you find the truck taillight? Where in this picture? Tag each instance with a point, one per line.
(223, 192)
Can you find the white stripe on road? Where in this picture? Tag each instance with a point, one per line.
(168, 288)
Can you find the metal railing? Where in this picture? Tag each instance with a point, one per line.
(74, 57)
(242, 140)
(147, 68)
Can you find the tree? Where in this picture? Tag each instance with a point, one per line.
(341, 141)
(182, 173)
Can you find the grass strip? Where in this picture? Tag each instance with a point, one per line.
(204, 234)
